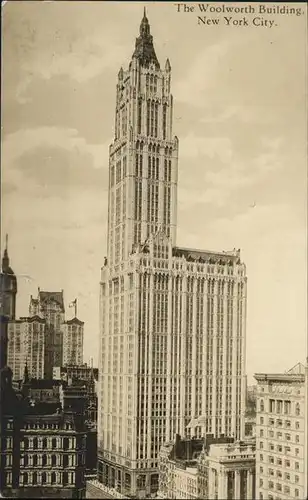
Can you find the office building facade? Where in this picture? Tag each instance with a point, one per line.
(281, 435)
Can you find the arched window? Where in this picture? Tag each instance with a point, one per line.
(262, 405)
(44, 460)
(44, 442)
(297, 409)
(65, 460)
(44, 477)
(26, 441)
(26, 479)
(53, 460)
(35, 443)
(53, 478)
(54, 442)
(26, 460)
(65, 478)
(65, 443)
(34, 460)
(34, 477)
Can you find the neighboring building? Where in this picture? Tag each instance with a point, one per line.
(210, 468)
(86, 377)
(40, 390)
(281, 435)
(50, 307)
(173, 319)
(43, 446)
(79, 372)
(26, 344)
(73, 330)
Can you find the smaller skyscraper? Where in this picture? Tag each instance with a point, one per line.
(50, 307)
(281, 440)
(73, 330)
(26, 345)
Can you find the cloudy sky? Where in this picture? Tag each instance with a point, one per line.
(240, 115)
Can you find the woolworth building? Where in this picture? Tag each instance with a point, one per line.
(173, 319)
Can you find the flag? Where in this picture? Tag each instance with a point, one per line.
(72, 304)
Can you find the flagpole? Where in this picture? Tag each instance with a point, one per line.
(75, 308)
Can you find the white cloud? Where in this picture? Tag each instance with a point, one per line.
(243, 113)
(18, 143)
(83, 60)
(202, 74)
(193, 147)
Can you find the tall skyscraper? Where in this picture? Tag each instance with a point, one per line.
(172, 319)
(50, 306)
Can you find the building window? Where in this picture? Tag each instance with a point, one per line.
(44, 477)
(26, 478)
(54, 442)
(53, 460)
(35, 443)
(65, 478)
(53, 478)
(34, 477)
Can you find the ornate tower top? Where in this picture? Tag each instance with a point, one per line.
(5, 260)
(144, 49)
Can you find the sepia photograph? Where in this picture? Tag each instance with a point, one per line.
(153, 286)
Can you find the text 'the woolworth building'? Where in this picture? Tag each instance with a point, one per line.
(172, 346)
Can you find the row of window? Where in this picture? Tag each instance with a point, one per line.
(287, 476)
(286, 463)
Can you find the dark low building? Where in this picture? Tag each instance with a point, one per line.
(43, 445)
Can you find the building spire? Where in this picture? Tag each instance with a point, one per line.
(5, 258)
(144, 50)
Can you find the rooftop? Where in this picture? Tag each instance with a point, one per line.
(211, 257)
(52, 297)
